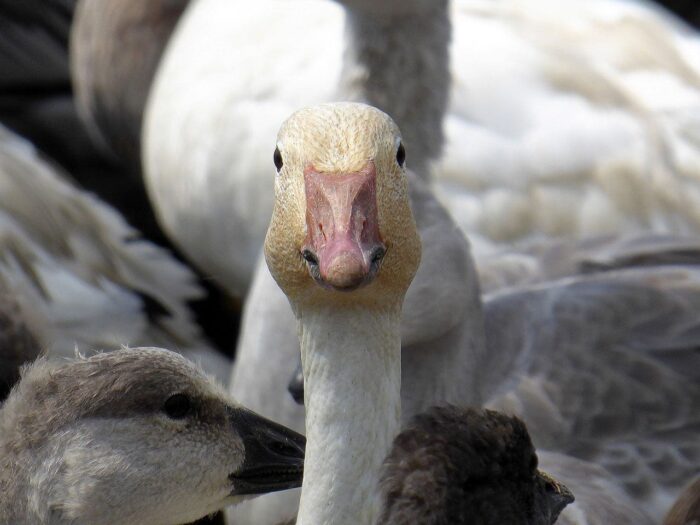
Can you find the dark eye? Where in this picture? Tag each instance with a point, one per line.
(177, 406)
(277, 157)
(401, 155)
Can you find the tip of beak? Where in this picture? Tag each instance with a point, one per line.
(346, 271)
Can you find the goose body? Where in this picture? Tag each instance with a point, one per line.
(115, 49)
(643, 317)
(80, 273)
(623, 161)
(133, 436)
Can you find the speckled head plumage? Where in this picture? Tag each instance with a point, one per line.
(342, 218)
(453, 465)
(90, 432)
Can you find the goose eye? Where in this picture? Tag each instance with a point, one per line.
(277, 157)
(177, 406)
(551, 488)
(401, 155)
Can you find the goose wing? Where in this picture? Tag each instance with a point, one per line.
(593, 137)
(606, 367)
(533, 262)
(76, 266)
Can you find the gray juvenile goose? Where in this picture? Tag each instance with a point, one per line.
(134, 436)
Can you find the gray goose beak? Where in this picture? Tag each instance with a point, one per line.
(274, 455)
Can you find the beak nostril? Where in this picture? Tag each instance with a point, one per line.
(310, 257)
(378, 254)
(283, 448)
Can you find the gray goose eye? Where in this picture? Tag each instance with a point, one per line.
(401, 155)
(177, 406)
(277, 157)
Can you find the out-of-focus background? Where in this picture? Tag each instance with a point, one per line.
(136, 145)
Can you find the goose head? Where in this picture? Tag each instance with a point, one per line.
(467, 465)
(137, 436)
(342, 220)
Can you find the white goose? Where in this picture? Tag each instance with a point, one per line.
(574, 385)
(80, 274)
(623, 159)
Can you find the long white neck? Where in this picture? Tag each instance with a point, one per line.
(400, 64)
(352, 392)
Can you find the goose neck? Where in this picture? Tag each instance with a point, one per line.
(399, 62)
(352, 380)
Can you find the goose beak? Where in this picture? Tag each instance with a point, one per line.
(558, 495)
(343, 248)
(274, 455)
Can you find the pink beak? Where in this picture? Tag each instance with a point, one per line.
(343, 247)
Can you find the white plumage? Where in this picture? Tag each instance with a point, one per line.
(578, 117)
(80, 274)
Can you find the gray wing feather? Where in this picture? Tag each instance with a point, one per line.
(606, 369)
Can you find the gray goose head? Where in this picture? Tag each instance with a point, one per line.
(133, 436)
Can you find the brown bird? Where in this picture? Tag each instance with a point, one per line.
(464, 465)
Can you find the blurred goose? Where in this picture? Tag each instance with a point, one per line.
(467, 466)
(81, 273)
(115, 48)
(624, 159)
(35, 89)
(134, 436)
(606, 395)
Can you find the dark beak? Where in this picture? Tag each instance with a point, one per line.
(296, 384)
(558, 495)
(274, 455)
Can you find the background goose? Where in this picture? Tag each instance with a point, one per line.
(115, 49)
(35, 85)
(644, 318)
(623, 160)
(460, 466)
(81, 272)
(82, 440)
